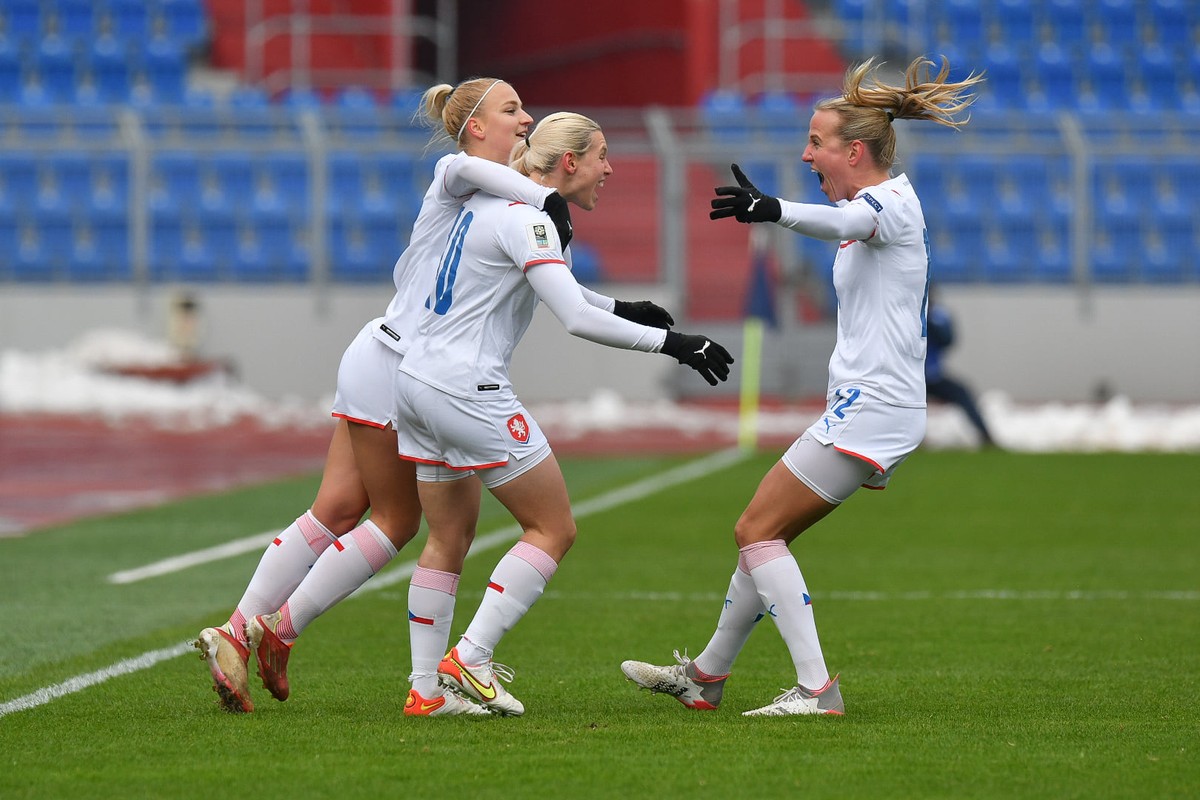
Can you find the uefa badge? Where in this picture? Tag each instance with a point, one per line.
(519, 428)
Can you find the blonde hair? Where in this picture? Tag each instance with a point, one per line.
(447, 109)
(868, 106)
(560, 133)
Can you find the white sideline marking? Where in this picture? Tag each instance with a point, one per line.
(81, 682)
(176, 563)
(625, 494)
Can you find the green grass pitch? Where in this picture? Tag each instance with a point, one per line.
(1006, 625)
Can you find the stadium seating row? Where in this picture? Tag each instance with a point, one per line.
(26, 22)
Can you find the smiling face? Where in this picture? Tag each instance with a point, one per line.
(829, 156)
(499, 124)
(586, 173)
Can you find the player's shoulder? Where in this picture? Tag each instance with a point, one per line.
(891, 196)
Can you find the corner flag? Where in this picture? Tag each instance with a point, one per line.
(759, 311)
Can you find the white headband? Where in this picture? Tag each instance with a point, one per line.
(473, 110)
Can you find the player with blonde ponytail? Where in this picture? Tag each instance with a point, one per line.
(876, 398)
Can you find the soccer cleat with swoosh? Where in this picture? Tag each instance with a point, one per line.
(272, 653)
(445, 704)
(480, 682)
(227, 659)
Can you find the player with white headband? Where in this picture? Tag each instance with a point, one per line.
(463, 423)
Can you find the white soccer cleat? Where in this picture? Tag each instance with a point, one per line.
(799, 701)
(481, 682)
(445, 704)
(682, 681)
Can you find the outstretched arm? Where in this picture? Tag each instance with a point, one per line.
(471, 173)
(558, 289)
(852, 221)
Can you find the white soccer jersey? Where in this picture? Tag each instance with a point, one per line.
(455, 178)
(882, 285)
(484, 297)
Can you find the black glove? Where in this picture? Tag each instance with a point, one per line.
(560, 215)
(700, 353)
(744, 202)
(643, 312)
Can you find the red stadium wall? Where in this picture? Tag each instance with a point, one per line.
(623, 53)
(632, 53)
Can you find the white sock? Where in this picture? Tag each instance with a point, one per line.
(741, 611)
(516, 584)
(430, 612)
(785, 597)
(281, 569)
(340, 570)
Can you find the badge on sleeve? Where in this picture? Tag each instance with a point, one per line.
(875, 204)
(539, 237)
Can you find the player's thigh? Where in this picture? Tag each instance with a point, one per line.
(341, 498)
(390, 481)
(783, 507)
(452, 511)
(538, 500)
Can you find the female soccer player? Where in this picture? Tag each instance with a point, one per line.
(483, 117)
(876, 412)
(463, 423)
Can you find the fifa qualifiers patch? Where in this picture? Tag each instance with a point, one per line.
(539, 237)
(874, 203)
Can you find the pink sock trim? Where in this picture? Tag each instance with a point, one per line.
(285, 630)
(238, 623)
(536, 558)
(317, 535)
(369, 540)
(435, 579)
(761, 553)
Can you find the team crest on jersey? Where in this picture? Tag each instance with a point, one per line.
(539, 237)
(519, 428)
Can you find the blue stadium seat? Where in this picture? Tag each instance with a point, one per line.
(585, 264)
(129, 19)
(185, 21)
(1116, 21)
(165, 70)
(165, 242)
(723, 112)
(781, 116)
(1105, 71)
(1158, 73)
(110, 229)
(248, 97)
(964, 22)
(299, 97)
(10, 71)
(72, 174)
(1066, 21)
(219, 230)
(30, 263)
(55, 65)
(53, 223)
(288, 174)
(345, 180)
(1054, 69)
(180, 173)
(19, 176)
(234, 172)
(351, 256)
(1016, 20)
(75, 19)
(23, 19)
(1004, 84)
(1173, 21)
(1052, 262)
(108, 66)
(948, 262)
(196, 262)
